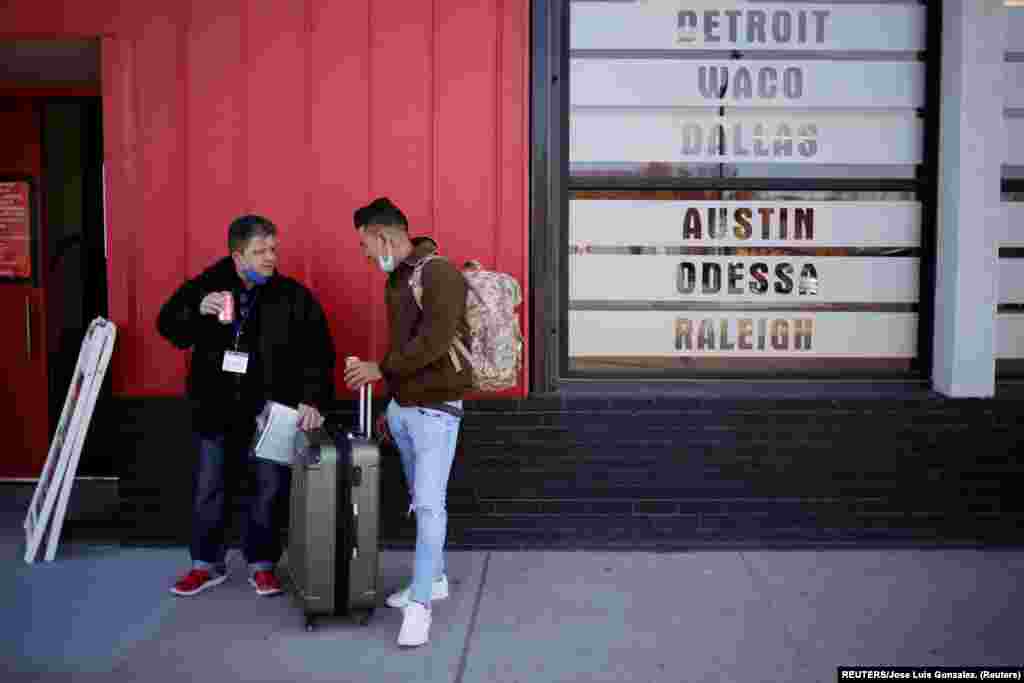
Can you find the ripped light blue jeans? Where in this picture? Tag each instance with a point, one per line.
(426, 440)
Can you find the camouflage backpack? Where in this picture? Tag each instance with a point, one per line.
(495, 349)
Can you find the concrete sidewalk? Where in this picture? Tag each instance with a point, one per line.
(103, 613)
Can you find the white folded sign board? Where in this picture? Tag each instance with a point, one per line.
(50, 499)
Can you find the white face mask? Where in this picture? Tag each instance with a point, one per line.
(386, 261)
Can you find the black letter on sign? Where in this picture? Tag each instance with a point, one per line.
(803, 331)
(780, 335)
(684, 334)
(686, 277)
(712, 278)
(759, 271)
(713, 81)
(783, 271)
(687, 19)
(691, 224)
(808, 140)
(743, 84)
(735, 275)
(693, 139)
(718, 227)
(767, 83)
(804, 227)
(743, 229)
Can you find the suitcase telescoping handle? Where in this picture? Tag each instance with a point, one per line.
(365, 409)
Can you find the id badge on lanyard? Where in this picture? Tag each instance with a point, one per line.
(236, 361)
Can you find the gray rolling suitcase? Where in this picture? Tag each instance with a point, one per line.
(335, 514)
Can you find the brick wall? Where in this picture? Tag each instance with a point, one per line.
(671, 473)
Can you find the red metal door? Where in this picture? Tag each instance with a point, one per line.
(24, 380)
(24, 417)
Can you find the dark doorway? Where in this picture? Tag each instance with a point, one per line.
(52, 115)
(76, 266)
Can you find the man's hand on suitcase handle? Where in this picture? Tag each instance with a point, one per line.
(361, 372)
(309, 417)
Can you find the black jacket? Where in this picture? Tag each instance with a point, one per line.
(291, 354)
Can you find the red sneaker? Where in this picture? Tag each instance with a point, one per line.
(265, 583)
(196, 581)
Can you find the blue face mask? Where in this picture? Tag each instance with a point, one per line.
(386, 263)
(254, 277)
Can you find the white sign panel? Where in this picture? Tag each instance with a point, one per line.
(1013, 85)
(1010, 336)
(605, 135)
(1015, 29)
(1014, 142)
(733, 24)
(738, 224)
(742, 333)
(1011, 281)
(672, 83)
(790, 279)
(1013, 225)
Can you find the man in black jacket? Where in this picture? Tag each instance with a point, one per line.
(275, 346)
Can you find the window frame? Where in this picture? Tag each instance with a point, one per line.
(551, 185)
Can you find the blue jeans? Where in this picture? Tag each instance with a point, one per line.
(426, 440)
(223, 462)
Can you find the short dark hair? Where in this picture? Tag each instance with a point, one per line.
(244, 228)
(359, 217)
(382, 212)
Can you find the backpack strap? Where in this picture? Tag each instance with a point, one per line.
(416, 279)
(416, 285)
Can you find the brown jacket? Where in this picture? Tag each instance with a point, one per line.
(417, 367)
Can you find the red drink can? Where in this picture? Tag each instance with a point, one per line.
(227, 311)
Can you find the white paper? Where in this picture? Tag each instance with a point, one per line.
(276, 428)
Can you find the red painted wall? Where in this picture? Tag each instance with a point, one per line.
(301, 111)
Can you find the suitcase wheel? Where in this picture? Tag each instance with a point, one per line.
(364, 618)
(310, 622)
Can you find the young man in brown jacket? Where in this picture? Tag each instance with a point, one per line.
(426, 407)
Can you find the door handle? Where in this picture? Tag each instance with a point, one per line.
(28, 328)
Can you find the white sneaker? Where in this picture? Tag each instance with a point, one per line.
(439, 591)
(415, 625)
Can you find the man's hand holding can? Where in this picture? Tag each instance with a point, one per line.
(220, 304)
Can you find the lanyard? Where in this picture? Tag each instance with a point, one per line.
(242, 318)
